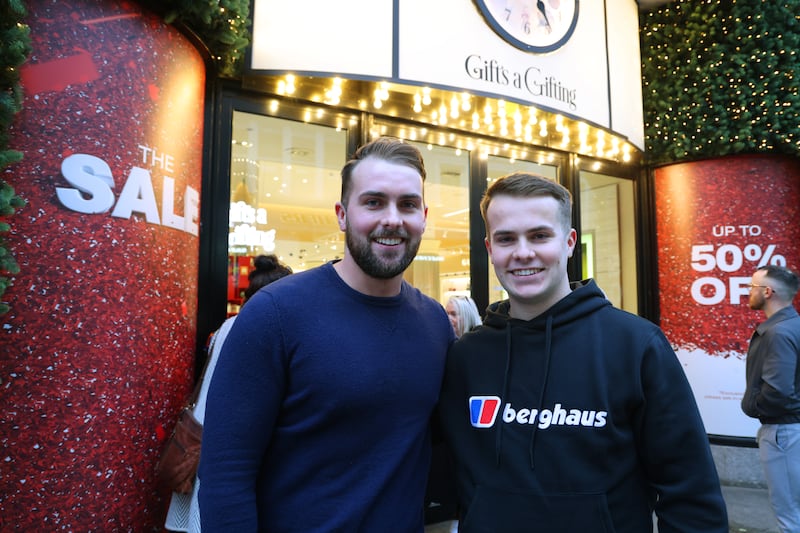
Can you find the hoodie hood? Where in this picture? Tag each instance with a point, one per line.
(585, 298)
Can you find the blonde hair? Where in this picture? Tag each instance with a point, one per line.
(467, 314)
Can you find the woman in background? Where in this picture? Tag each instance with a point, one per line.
(184, 513)
(463, 314)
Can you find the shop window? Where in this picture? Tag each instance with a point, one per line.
(608, 237)
(441, 268)
(285, 181)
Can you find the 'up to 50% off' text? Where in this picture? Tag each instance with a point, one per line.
(729, 258)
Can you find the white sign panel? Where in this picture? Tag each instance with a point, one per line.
(346, 37)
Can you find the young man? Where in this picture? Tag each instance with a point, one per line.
(773, 389)
(564, 413)
(318, 413)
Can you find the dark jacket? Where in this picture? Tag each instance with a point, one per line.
(581, 419)
(772, 370)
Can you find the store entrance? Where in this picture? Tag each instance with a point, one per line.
(285, 181)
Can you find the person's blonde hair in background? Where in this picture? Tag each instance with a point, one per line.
(463, 314)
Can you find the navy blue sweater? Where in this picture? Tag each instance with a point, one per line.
(580, 419)
(318, 411)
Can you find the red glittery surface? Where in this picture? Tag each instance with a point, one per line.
(96, 355)
(743, 203)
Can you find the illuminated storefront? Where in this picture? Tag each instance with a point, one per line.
(477, 102)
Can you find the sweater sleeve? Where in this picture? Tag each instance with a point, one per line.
(673, 447)
(242, 406)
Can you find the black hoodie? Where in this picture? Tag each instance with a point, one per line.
(580, 420)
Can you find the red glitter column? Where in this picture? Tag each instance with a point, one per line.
(97, 351)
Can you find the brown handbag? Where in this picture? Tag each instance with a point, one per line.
(177, 466)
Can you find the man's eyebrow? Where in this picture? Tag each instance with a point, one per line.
(381, 194)
(502, 232)
(535, 229)
(411, 196)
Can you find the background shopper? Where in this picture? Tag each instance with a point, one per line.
(773, 389)
(463, 314)
(184, 513)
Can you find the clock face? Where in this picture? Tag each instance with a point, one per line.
(532, 25)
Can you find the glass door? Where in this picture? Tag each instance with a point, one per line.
(441, 268)
(285, 181)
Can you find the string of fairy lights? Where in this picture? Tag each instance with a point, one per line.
(498, 119)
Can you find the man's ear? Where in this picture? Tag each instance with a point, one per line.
(341, 216)
(572, 239)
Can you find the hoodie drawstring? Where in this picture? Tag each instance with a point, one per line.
(499, 434)
(547, 354)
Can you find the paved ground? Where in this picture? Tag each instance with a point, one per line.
(748, 512)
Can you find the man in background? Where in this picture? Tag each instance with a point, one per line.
(773, 389)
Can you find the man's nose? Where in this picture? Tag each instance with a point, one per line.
(391, 216)
(523, 250)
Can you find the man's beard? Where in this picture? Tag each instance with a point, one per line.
(374, 265)
(756, 304)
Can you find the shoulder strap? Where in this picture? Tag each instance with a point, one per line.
(199, 384)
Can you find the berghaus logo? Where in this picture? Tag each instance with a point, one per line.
(483, 411)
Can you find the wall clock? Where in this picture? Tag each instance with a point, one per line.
(532, 25)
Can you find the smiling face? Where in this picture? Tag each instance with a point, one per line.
(383, 218)
(529, 248)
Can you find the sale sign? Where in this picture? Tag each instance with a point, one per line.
(717, 222)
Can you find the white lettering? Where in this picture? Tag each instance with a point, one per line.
(247, 235)
(92, 193)
(137, 196)
(558, 416)
(90, 176)
(191, 201)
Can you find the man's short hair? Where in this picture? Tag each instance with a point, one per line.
(387, 148)
(782, 280)
(528, 185)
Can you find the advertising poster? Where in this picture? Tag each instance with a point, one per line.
(717, 221)
(97, 352)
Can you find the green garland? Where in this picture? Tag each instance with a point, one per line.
(222, 25)
(719, 78)
(15, 46)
